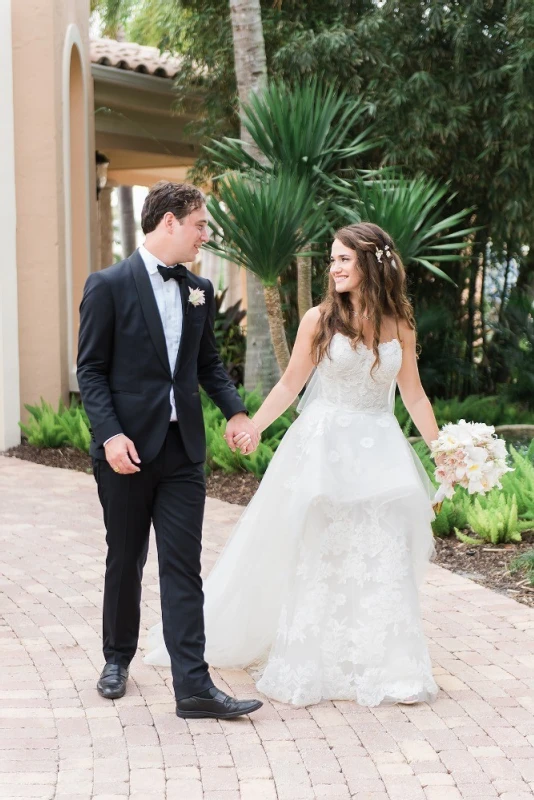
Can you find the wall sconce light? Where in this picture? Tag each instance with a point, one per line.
(102, 164)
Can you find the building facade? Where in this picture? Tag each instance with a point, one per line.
(65, 99)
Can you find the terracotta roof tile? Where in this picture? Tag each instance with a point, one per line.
(134, 57)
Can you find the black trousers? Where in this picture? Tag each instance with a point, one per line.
(169, 492)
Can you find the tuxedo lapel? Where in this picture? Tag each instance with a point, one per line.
(149, 307)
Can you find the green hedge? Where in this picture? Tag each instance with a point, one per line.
(494, 410)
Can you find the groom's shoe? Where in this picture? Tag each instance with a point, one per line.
(214, 703)
(112, 681)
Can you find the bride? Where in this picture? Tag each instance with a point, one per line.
(316, 590)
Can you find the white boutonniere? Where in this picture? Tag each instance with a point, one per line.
(197, 297)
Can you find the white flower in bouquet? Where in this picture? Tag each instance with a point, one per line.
(472, 456)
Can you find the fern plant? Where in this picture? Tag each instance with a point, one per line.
(219, 455)
(520, 484)
(44, 428)
(499, 516)
(497, 521)
(77, 432)
(452, 515)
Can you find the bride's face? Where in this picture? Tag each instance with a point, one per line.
(344, 267)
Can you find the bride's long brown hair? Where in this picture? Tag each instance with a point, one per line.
(382, 291)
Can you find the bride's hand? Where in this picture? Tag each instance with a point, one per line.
(243, 433)
(246, 443)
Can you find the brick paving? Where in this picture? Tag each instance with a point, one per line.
(59, 739)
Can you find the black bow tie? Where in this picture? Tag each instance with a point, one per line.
(179, 272)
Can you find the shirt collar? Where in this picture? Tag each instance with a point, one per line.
(150, 261)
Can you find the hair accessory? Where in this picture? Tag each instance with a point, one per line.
(379, 254)
(390, 256)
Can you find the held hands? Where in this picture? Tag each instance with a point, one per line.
(243, 434)
(121, 455)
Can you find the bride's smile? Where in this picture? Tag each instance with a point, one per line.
(343, 267)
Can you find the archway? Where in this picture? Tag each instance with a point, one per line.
(77, 163)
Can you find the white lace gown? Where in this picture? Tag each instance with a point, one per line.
(316, 590)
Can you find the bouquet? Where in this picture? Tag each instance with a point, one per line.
(472, 456)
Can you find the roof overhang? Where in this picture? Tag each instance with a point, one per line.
(138, 127)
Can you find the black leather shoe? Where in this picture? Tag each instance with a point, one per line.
(112, 681)
(219, 705)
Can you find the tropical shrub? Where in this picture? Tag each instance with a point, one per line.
(499, 516)
(524, 562)
(496, 410)
(230, 337)
(519, 484)
(219, 455)
(70, 427)
(495, 521)
(49, 428)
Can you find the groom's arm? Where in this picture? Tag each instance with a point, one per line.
(95, 349)
(212, 375)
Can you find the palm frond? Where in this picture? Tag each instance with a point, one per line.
(306, 129)
(413, 212)
(264, 222)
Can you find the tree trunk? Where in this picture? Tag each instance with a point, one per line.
(127, 221)
(525, 278)
(261, 368)
(471, 319)
(304, 286)
(505, 281)
(273, 304)
(483, 273)
(105, 227)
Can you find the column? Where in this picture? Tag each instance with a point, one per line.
(9, 334)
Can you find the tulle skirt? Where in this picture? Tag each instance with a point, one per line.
(316, 590)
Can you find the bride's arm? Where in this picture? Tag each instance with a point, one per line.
(411, 390)
(297, 373)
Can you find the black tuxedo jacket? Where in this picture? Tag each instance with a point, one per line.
(123, 368)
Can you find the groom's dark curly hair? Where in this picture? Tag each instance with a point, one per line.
(178, 198)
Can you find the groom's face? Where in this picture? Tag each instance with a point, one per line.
(189, 234)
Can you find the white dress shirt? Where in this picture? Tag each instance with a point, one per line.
(168, 299)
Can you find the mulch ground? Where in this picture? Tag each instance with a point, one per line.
(485, 564)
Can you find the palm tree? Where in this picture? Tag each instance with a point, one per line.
(306, 130)
(413, 212)
(264, 223)
(251, 74)
(127, 221)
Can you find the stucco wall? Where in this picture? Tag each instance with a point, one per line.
(39, 32)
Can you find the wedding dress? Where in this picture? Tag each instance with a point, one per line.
(316, 590)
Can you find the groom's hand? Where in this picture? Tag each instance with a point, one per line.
(241, 433)
(121, 455)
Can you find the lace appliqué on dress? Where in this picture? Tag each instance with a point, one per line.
(352, 619)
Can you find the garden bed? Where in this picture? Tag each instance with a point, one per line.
(484, 564)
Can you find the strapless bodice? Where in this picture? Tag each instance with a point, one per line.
(346, 380)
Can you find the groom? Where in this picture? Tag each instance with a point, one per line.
(146, 342)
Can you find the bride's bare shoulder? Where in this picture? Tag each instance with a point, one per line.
(310, 321)
(405, 329)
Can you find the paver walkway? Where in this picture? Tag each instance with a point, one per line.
(59, 739)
